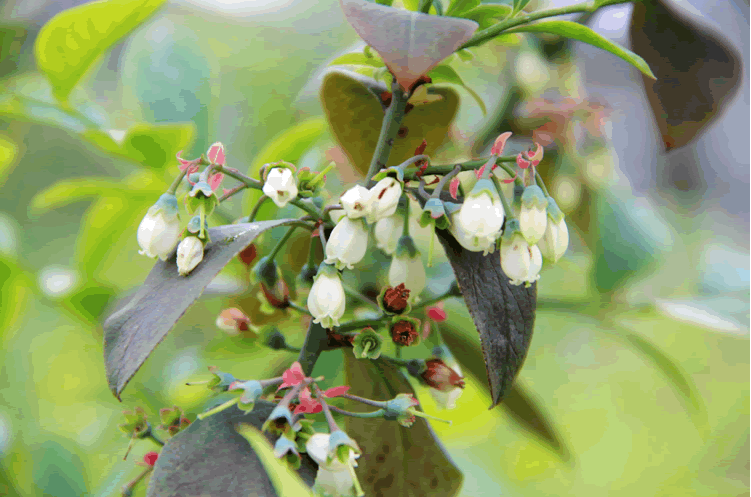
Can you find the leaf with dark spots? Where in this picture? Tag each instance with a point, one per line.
(395, 461)
(519, 403)
(133, 331)
(211, 459)
(410, 43)
(696, 70)
(504, 314)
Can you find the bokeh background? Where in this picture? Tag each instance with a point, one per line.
(640, 359)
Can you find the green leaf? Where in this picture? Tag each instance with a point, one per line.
(289, 146)
(357, 59)
(519, 6)
(133, 331)
(89, 303)
(71, 42)
(155, 145)
(487, 15)
(395, 460)
(72, 190)
(582, 33)
(446, 74)
(16, 290)
(8, 150)
(458, 7)
(353, 110)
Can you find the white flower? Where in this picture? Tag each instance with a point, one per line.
(189, 254)
(356, 201)
(280, 186)
(533, 217)
(406, 267)
(159, 230)
(554, 242)
(326, 297)
(477, 224)
(384, 198)
(388, 231)
(334, 477)
(520, 261)
(347, 244)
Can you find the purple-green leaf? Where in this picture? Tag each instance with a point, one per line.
(395, 461)
(410, 43)
(210, 458)
(135, 329)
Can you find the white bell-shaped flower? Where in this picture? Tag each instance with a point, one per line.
(533, 216)
(406, 267)
(326, 298)
(280, 186)
(159, 230)
(520, 261)
(384, 198)
(480, 217)
(347, 244)
(334, 477)
(554, 242)
(189, 254)
(387, 233)
(356, 202)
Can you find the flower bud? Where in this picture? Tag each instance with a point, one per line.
(189, 254)
(356, 202)
(520, 261)
(326, 299)
(159, 230)
(252, 391)
(554, 242)
(201, 196)
(443, 380)
(406, 267)
(384, 198)
(233, 321)
(280, 185)
(533, 216)
(387, 233)
(477, 224)
(286, 449)
(347, 244)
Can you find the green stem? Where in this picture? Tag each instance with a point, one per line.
(155, 439)
(373, 403)
(506, 208)
(372, 414)
(392, 121)
(405, 228)
(232, 192)
(307, 208)
(497, 29)
(465, 166)
(235, 174)
(326, 411)
(359, 296)
(256, 208)
(282, 242)
(301, 309)
(127, 490)
(173, 187)
(541, 184)
(219, 408)
(362, 323)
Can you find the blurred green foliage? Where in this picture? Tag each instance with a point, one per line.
(645, 403)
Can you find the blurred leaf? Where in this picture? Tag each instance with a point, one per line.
(409, 43)
(72, 190)
(288, 146)
(578, 32)
(520, 403)
(354, 110)
(697, 71)
(89, 302)
(446, 74)
(22, 108)
(133, 331)
(155, 145)
(503, 314)
(74, 39)
(284, 479)
(11, 42)
(357, 59)
(395, 460)
(458, 7)
(8, 150)
(518, 6)
(16, 289)
(58, 471)
(487, 15)
(210, 458)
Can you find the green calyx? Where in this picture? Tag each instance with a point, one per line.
(512, 228)
(327, 269)
(483, 185)
(434, 213)
(534, 198)
(406, 247)
(221, 381)
(310, 183)
(201, 196)
(194, 227)
(340, 445)
(167, 203)
(554, 212)
(367, 345)
(252, 391)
